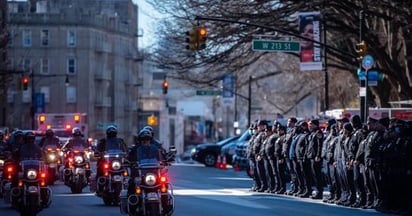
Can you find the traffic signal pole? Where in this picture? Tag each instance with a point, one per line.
(363, 91)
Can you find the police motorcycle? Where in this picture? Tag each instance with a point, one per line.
(115, 174)
(53, 162)
(153, 193)
(77, 169)
(5, 171)
(29, 193)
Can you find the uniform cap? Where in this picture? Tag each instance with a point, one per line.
(348, 126)
(384, 122)
(314, 122)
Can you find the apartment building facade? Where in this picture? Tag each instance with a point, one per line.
(81, 56)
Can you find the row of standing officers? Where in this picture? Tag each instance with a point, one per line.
(362, 165)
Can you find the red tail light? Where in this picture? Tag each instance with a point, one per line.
(43, 175)
(106, 166)
(9, 169)
(163, 179)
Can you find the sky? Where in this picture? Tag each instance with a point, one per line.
(147, 19)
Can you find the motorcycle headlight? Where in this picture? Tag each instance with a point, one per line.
(1, 162)
(78, 159)
(52, 157)
(32, 174)
(116, 165)
(150, 179)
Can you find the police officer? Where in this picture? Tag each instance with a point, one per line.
(286, 151)
(313, 154)
(143, 151)
(154, 141)
(358, 137)
(29, 150)
(372, 160)
(110, 142)
(302, 166)
(257, 145)
(280, 162)
(75, 140)
(252, 157)
(349, 146)
(330, 143)
(269, 158)
(49, 140)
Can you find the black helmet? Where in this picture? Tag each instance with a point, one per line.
(111, 131)
(49, 132)
(76, 131)
(145, 134)
(29, 136)
(18, 133)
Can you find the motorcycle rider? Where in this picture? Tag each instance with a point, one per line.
(143, 150)
(29, 151)
(77, 140)
(154, 141)
(49, 140)
(111, 142)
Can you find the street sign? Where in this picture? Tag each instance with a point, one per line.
(275, 46)
(367, 62)
(208, 92)
(39, 103)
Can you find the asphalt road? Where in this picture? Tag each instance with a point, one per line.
(199, 191)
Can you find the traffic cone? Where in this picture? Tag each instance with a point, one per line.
(218, 162)
(223, 165)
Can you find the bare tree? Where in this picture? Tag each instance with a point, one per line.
(387, 24)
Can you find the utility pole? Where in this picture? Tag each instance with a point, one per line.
(363, 88)
(249, 100)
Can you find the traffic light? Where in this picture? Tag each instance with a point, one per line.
(165, 86)
(25, 82)
(361, 49)
(202, 37)
(192, 39)
(152, 120)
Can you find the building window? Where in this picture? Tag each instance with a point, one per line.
(11, 37)
(71, 65)
(27, 65)
(44, 37)
(71, 38)
(44, 66)
(26, 96)
(46, 91)
(71, 94)
(26, 38)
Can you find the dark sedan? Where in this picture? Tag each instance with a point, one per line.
(207, 153)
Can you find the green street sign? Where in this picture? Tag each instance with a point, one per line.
(275, 46)
(209, 92)
(256, 108)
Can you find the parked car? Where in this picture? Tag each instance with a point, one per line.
(230, 150)
(207, 153)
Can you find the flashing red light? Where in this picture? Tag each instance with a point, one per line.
(9, 169)
(43, 175)
(68, 127)
(106, 166)
(163, 179)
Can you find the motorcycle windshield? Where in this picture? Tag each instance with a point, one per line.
(79, 148)
(31, 164)
(114, 153)
(148, 162)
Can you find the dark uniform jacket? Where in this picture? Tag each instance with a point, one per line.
(315, 142)
(372, 148)
(258, 143)
(360, 154)
(288, 141)
(49, 141)
(339, 153)
(269, 146)
(29, 151)
(249, 152)
(279, 147)
(301, 145)
(330, 148)
(75, 141)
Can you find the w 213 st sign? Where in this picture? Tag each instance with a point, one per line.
(275, 46)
